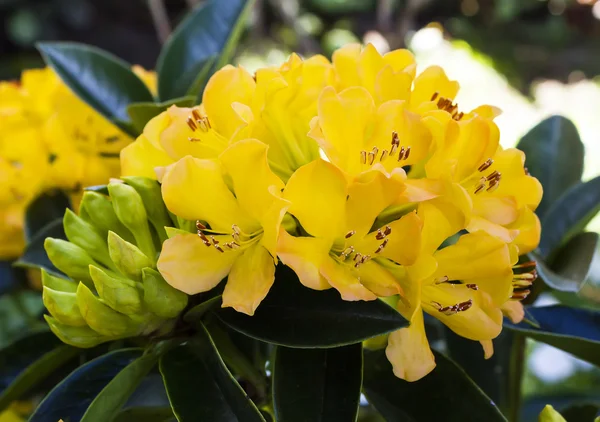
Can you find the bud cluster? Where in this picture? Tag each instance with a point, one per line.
(113, 290)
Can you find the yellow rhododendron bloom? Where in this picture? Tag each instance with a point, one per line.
(339, 248)
(237, 202)
(275, 106)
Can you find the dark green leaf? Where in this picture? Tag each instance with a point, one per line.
(35, 255)
(321, 385)
(111, 399)
(199, 310)
(294, 316)
(576, 331)
(570, 214)
(555, 156)
(215, 396)
(141, 113)
(582, 412)
(9, 276)
(100, 79)
(145, 414)
(446, 394)
(45, 209)
(70, 399)
(210, 29)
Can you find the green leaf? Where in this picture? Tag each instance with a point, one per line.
(141, 113)
(199, 310)
(70, 399)
(294, 316)
(28, 361)
(555, 156)
(210, 29)
(576, 331)
(570, 214)
(200, 387)
(111, 399)
(35, 255)
(145, 414)
(321, 385)
(102, 80)
(43, 210)
(446, 394)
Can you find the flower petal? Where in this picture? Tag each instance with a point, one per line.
(514, 311)
(192, 267)
(379, 280)
(140, 158)
(529, 228)
(344, 280)
(250, 279)
(432, 80)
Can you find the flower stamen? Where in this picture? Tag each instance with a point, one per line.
(350, 234)
(486, 165)
(453, 309)
(382, 246)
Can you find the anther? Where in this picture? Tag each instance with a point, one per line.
(480, 187)
(384, 154)
(527, 264)
(493, 186)
(407, 153)
(217, 247)
(195, 114)
(191, 124)
(520, 294)
(350, 234)
(472, 286)
(363, 157)
(358, 257)
(380, 235)
(204, 124)
(434, 96)
(463, 306)
(200, 226)
(371, 158)
(382, 246)
(235, 228)
(192, 139)
(401, 154)
(387, 230)
(494, 176)
(214, 241)
(486, 165)
(441, 280)
(348, 251)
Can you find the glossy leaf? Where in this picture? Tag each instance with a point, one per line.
(199, 310)
(9, 276)
(446, 394)
(570, 214)
(555, 156)
(70, 399)
(141, 113)
(294, 316)
(35, 255)
(111, 399)
(145, 414)
(102, 80)
(321, 385)
(576, 331)
(200, 387)
(212, 28)
(43, 210)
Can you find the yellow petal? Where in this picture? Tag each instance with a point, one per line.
(408, 351)
(481, 224)
(514, 311)
(250, 279)
(392, 85)
(345, 62)
(227, 86)
(317, 194)
(370, 64)
(140, 158)
(515, 183)
(488, 348)
(192, 267)
(529, 228)
(401, 60)
(345, 280)
(379, 280)
(193, 189)
(432, 80)
(304, 255)
(478, 141)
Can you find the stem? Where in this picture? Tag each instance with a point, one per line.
(160, 19)
(517, 357)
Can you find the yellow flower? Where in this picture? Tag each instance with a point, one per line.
(275, 106)
(149, 77)
(339, 249)
(237, 202)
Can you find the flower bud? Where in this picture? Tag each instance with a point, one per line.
(102, 318)
(84, 235)
(63, 306)
(162, 299)
(120, 294)
(69, 258)
(58, 283)
(150, 193)
(83, 337)
(129, 207)
(127, 257)
(99, 211)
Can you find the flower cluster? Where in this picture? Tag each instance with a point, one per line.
(360, 176)
(62, 143)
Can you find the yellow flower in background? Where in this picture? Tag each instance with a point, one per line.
(340, 248)
(275, 106)
(237, 202)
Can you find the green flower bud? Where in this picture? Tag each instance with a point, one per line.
(69, 258)
(162, 299)
(57, 283)
(172, 232)
(127, 257)
(120, 294)
(63, 306)
(83, 337)
(102, 318)
(151, 195)
(83, 234)
(100, 212)
(129, 207)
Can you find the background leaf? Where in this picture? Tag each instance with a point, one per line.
(292, 315)
(145, 414)
(446, 394)
(102, 80)
(141, 113)
(321, 385)
(70, 399)
(576, 331)
(210, 29)
(200, 387)
(555, 156)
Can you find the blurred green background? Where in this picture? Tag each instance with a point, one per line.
(531, 58)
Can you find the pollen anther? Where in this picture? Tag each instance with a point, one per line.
(350, 234)
(486, 165)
